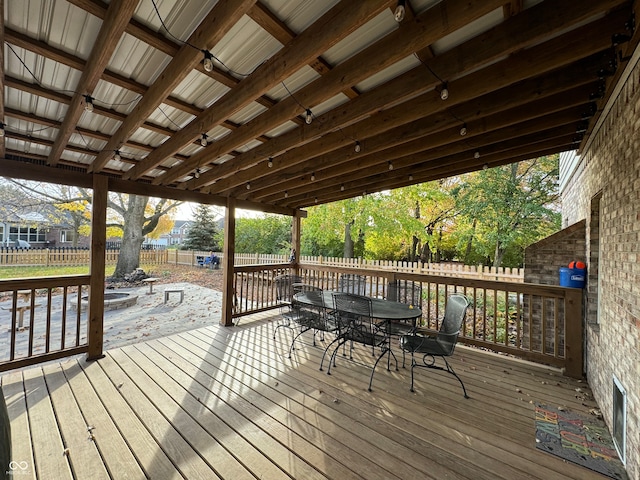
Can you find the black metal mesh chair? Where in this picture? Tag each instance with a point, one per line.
(354, 317)
(443, 344)
(284, 296)
(351, 283)
(409, 293)
(312, 317)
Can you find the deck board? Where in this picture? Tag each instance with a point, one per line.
(227, 403)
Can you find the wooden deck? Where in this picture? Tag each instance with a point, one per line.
(228, 403)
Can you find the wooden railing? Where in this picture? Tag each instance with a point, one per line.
(542, 323)
(41, 319)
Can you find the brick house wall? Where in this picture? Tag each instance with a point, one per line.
(604, 191)
(542, 261)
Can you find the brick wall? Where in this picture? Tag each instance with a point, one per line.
(604, 191)
(542, 262)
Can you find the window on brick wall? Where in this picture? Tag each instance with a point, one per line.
(595, 251)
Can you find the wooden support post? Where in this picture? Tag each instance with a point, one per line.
(96, 269)
(574, 331)
(295, 239)
(228, 297)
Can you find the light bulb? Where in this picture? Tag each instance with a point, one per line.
(342, 188)
(316, 199)
(411, 178)
(1, 129)
(390, 166)
(88, 106)
(444, 92)
(476, 155)
(313, 177)
(197, 173)
(116, 156)
(358, 147)
(248, 186)
(286, 194)
(309, 117)
(203, 140)
(208, 61)
(463, 130)
(270, 162)
(398, 14)
(485, 166)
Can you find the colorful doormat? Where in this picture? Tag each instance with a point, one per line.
(580, 439)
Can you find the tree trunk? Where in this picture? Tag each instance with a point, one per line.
(132, 238)
(348, 241)
(467, 252)
(499, 254)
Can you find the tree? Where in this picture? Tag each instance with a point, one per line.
(510, 207)
(267, 234)
(202, 234)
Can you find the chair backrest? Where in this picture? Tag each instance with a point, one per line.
(405, 291)
(354, 284)
(352, 308)
(303, 287)
(454, 314)
(284, 286)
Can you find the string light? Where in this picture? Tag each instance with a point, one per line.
(358, 147)
(207, 63)
(116, 156)
(390, 165)
(88, 106)
(316, 199)
(485, 166)
(411, 178)
(197, 173)
(286, 194)
(270, 162)
(309, 117)
(313, 176)
(342, 187)
(463, 130)
(248, 186)
(203, 140)
(476, 155)
(2, 125)
(444, 91)
(399, 12)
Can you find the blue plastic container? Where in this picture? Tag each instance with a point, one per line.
(572, 277)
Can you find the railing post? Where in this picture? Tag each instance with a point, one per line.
(574, 331)
(98, 243)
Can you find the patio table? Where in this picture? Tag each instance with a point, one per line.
(385, 310)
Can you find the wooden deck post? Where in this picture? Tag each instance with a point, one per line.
(228, 261)
(574, 332)
(295, 238)
(96, 268)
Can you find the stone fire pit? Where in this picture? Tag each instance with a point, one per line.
(112, 301)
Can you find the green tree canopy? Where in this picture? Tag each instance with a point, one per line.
(267, 234)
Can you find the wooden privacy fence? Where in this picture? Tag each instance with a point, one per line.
(542, 323)
(69, 257)
(41, 319)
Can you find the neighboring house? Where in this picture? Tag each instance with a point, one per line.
(178, 233)
(601, 204)
(30, 229)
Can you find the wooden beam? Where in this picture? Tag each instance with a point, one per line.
(229, 294)
(332, 27)
(504, 39)
(526, 100)
(216, 24)
(118, 15)
(96, 268)
(436, 22)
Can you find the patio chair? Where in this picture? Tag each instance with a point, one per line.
(443, 344)
(351, 283)
(312, 317)
(409, 293)
(355, 322)
(284, 295)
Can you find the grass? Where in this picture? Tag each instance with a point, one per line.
(52, 271)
